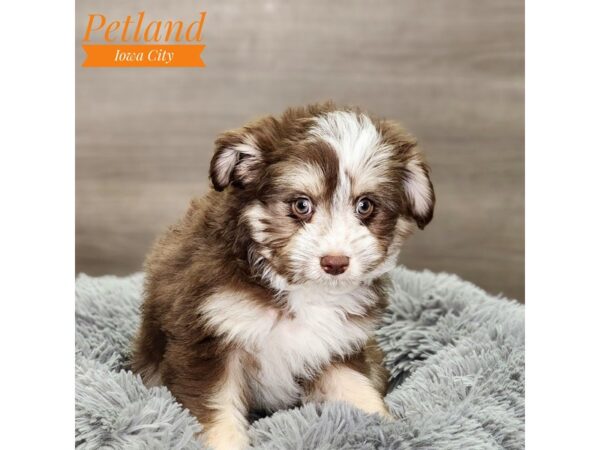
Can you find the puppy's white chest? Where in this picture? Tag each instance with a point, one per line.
(299, 346)
(317, 328)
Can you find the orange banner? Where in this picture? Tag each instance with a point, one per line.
(143, 56)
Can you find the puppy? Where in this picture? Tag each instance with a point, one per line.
(267, 293)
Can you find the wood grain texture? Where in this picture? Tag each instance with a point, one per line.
(452, 72)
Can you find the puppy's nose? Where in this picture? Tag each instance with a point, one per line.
(334, 264)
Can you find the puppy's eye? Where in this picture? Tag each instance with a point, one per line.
(364, 207)
(302, 208)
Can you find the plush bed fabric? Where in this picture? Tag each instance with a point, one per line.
(456, 356)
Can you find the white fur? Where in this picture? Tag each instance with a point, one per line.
(238, 318)
(337, 232)
(297, 344)
(354, 138)
(417, 187)
(341, 383)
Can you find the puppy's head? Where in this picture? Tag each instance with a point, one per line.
(329, 194)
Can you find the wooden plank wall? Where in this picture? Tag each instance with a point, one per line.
(451, 71)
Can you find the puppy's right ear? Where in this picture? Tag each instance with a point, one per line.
(237, 160)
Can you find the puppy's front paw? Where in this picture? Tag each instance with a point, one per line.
(222, 437)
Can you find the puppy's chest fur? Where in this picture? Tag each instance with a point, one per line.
(284, 349)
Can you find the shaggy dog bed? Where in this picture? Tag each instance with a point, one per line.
(455, 353)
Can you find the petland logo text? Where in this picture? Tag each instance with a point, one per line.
(137, 42)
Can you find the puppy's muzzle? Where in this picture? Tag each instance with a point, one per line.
(334, 264)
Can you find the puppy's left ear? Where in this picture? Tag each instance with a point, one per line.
(418, 189)
(237, 160)
(414, 172)
(240, 155)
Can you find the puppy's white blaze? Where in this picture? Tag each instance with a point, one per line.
(353, 136)
(357, 144)
(341, 383)
(343, 193)
(228, 429)
(417, 188)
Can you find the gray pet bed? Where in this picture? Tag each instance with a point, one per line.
(456, 356)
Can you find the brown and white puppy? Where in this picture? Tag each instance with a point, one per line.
(267, 293)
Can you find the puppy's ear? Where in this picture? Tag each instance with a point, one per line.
(416, 183)
(418, 190)
(239, 156)
(236, 161)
